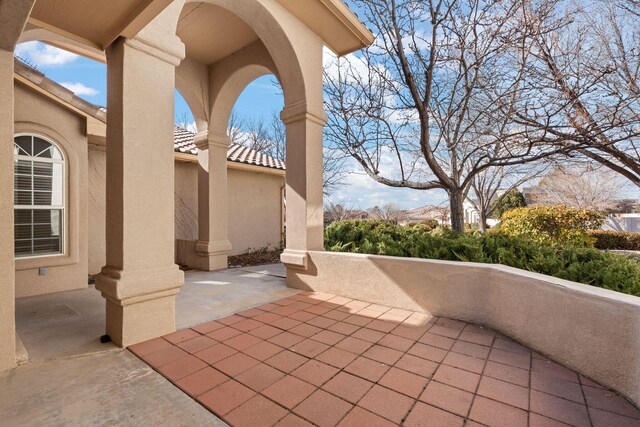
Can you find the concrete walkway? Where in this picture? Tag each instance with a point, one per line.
(73, 379)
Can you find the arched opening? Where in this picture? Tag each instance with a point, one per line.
(200, 25)
(258, 139)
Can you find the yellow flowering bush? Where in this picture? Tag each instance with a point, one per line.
(552, 224)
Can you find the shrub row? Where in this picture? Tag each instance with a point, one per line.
(617, 240)
(583, 265)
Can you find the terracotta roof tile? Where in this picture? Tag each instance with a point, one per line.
(183, 143)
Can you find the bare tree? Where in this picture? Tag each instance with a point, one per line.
(185, 121)
(338, 212)
(489, 185)
(430, 105)
(597, 189)
(388, 212)
(234, 128)
(277, 136)
(257, 135)
(269, 136)
(582, 81)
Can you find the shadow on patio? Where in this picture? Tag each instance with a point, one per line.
(72, 378)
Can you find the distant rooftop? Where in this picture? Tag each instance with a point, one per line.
(183, 143)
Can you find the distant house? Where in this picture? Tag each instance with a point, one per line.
(622, 222)
(533, 196)
(471, 214)
(439, 213)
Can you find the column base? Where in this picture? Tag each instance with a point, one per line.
(138, 322)
(212, 256)
(295, 259)
(140, 304)
(8, 358)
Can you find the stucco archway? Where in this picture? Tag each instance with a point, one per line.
(282, 36)
(231, 77)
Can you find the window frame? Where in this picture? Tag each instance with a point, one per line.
(62, 208)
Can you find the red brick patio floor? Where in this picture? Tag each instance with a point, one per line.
(318, 359)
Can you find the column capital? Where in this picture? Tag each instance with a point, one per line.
(299, 111)
(209, 139)
(170, 50)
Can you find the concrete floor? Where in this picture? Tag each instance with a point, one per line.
(73, 379)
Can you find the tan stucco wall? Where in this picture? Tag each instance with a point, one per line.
(254, 207)
(186, 202)
(592, 330)
(254, 211)
(38, 115)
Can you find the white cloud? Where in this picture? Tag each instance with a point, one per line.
(40, 54)
(360, 191)
(80, 89)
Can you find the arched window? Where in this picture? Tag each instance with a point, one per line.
(38, 197)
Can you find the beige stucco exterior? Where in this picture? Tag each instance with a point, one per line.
(254, 205)
(255, 198)
(143, 43)
(35, 114)
(153, 47)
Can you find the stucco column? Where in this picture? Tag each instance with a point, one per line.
(213, 246)
(140, 280)
(304, 217)
(7, 264)
(13, 17)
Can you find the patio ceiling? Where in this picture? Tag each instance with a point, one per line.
(95, 23)
(211, 33)
(87, 27)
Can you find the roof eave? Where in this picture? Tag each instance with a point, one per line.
(362, 37)
(350, 33)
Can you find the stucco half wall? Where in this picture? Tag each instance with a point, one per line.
(591, 330)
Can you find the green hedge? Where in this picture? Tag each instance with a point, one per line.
(616, 240)
(583, 265)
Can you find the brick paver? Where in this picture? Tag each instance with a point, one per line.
(319, 359)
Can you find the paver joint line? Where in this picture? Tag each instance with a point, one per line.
(326, 360)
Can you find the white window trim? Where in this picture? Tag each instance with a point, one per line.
(63, 162)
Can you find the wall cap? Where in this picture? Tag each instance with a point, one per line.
(295, 259)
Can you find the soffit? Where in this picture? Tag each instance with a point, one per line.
(95, 23)
(211, 33)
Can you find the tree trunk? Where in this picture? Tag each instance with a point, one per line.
(482, 220)
(456, 202)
